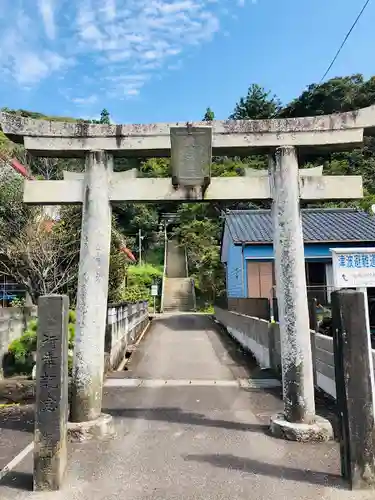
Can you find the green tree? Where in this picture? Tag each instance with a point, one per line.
(155, 167)
(257, 105)
(337, 95)
(199, 230)
(105, 118)
(209, 116)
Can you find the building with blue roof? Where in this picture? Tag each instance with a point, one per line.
(248, 256)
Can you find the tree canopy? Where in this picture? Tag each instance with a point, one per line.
(258, 104)
(209, 115)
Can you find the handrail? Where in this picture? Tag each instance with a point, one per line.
(164, 269)
(186, 262)
(191, 280)
(193, 294)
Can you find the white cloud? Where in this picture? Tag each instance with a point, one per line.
(91, 99)
(46, 8)
(108, 40)
(31, 67)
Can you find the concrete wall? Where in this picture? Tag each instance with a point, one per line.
(251, 333)
(13, 321)
(263, 340)
(125, 322)
(324, 365)
(255, 307)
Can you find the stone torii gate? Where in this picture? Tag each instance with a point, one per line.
(191, 147)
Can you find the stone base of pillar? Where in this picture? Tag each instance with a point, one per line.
(100, 428)
(318, 432)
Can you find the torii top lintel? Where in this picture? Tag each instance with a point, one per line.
(73, 139)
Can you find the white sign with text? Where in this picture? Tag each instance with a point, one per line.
(353, 267)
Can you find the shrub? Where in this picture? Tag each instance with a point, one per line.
(143, 276)
(140, 279)
(135, 294)
(17, 302)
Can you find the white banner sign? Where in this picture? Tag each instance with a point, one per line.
(154, 290)
(353, 267)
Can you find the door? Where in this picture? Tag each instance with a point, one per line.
(253, 283)
(260, 279)
(266, 279)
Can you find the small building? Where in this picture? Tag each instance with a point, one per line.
(248, 255)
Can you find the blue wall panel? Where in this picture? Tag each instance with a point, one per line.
(235, 271)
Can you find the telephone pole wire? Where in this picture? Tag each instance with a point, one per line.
(345, 40)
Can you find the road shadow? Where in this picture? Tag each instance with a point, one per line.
(222, 342)
(18, 481)
(176, 415)
(18, 418)
(184, 322)
(264, 469)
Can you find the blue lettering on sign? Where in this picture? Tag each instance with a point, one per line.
(349, 261)
(342, 261)
(365, 261)
(358, 261)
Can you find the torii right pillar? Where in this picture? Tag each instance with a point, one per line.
(299, 421)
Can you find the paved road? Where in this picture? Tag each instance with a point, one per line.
(200, 441)
(16, 431)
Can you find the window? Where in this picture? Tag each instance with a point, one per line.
(316, 281)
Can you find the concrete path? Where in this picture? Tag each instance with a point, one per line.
(182, 441)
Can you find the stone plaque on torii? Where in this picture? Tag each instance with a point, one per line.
(192, 148)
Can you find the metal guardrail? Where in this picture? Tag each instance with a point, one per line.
(193, 294)
(186, 262)
(164, 269)
(191, 280)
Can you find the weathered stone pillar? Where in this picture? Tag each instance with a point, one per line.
(354, 387)
(51, 408)
(297, 369)
(92, 295)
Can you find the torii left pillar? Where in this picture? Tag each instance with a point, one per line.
(88, 366)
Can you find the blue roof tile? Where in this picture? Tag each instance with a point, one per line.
(319, 226)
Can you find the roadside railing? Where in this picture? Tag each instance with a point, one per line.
(164, 269)
(125, 322)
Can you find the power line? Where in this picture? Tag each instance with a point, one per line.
(345, 40)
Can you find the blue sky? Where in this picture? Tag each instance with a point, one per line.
(167, 60)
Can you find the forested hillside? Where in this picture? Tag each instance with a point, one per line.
(201, 224)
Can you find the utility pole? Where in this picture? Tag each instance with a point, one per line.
(140, 246)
